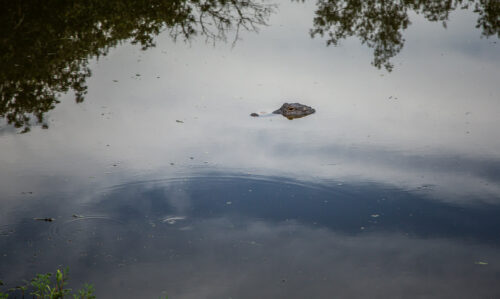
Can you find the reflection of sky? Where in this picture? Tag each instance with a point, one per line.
(438, 131)
(247, 238)
(417, 147)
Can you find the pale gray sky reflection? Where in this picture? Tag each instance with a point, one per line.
(436, 102)
(391, 187)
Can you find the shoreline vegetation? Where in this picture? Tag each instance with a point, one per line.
(44, 286)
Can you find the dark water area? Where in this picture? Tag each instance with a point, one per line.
(128, 153)
(223, 235)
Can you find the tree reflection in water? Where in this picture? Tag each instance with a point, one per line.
(45, 46)
(379, 23)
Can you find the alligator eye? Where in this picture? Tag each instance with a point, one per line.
(291, 108)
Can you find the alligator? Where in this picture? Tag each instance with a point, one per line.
(292, 110)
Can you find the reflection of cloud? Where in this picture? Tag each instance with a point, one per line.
(454, 177)
(253, 248)
(434, 133)
(258, 260)
(6, 130)
(178, 198)
(264, 150)
(255, 259)
(437, 136)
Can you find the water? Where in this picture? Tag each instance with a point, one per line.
(160, 183)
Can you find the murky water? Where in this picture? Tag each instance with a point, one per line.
(160, 183)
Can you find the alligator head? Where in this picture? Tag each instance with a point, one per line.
(294, 110)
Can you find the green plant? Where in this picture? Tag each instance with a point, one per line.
(43, 287)
(86, 293)
(2, 295)
(21, 288)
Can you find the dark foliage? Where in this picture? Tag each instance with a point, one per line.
(380, 23)
(45, 46)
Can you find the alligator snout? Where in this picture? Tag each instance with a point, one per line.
(291, 110)
(294, 110)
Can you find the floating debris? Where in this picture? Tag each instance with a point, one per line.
(5, 231)
(375, 215)
(44, 219)
(425, 186)
(481, 263)
(173, 219)
(179, 121)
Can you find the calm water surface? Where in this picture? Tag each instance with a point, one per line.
(160, 183)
